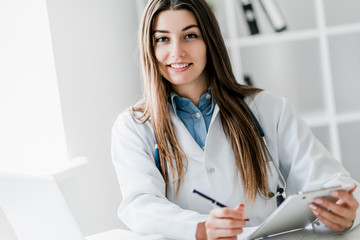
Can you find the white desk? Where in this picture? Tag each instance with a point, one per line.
(311, 235)
(120, 234)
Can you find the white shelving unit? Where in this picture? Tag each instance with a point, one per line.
(315, 64)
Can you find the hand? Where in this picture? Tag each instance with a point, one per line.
(339, 215)
(224, 223)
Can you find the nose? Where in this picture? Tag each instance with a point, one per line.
(177, 49)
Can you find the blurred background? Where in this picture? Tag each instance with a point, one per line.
(68, 68)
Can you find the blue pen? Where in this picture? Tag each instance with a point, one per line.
(209, 198)
(213, 200)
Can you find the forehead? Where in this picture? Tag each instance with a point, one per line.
(174, 20)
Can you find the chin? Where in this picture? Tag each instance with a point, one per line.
(180, 82)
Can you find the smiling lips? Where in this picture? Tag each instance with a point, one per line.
(179, 67)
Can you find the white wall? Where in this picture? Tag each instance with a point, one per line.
(95, 55)
(31, 123)
(32, 132)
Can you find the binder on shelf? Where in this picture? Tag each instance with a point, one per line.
(249, 15)
(274, 14)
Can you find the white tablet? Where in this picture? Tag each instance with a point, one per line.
(294, 213)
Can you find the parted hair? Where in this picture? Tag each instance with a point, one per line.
(237, 122)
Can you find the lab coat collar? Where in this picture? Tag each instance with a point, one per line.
(186, 141)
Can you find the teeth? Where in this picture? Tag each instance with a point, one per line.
(179, 65)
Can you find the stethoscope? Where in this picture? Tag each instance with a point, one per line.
(280, 190)
(280, 194)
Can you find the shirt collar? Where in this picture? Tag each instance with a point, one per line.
(178, 102)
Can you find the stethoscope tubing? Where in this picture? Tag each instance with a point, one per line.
(280, 190)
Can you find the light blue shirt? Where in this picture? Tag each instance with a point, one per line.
(195, 119)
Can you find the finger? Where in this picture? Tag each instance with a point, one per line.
(227, 238)
(346, 198)
(227, 223)
(240, 207)
(222, 238)
(333, 226)
(227, 213)
(330, 217)
(223, 233)
(343, 211)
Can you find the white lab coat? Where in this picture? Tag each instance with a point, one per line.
(304, 162)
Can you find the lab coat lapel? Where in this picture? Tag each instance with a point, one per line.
(186, 141)
(215, 113)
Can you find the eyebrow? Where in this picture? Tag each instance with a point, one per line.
(184, 29)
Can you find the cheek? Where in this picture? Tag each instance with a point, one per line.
(203, 53)
(160, 55)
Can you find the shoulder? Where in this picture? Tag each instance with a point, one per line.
(263, 97)
(265, 102)
(129, 120)
(272, 111)
(124, 118)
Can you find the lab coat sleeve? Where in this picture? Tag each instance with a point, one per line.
(144, 207)
(307, 164)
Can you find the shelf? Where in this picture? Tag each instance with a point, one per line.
(290, 36)
(293, 11)
(316, 119)
(271, 38)
(348, 117)
(343, 29)
(320, 119)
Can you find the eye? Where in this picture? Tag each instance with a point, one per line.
(191, 35)
(161, 39)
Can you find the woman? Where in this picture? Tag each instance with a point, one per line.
(201, 121)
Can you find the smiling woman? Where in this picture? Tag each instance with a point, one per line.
(198, 128)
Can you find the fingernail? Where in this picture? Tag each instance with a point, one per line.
(318, 201)
(312, 206)
(335, 193)
(240, 206)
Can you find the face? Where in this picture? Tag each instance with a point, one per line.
(180, 49)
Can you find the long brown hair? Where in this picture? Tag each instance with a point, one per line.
(228, 94)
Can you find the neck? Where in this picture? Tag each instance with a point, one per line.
(192, 92)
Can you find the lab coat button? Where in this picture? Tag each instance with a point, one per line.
(212, 170)
(208, 96)
(197, 115)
